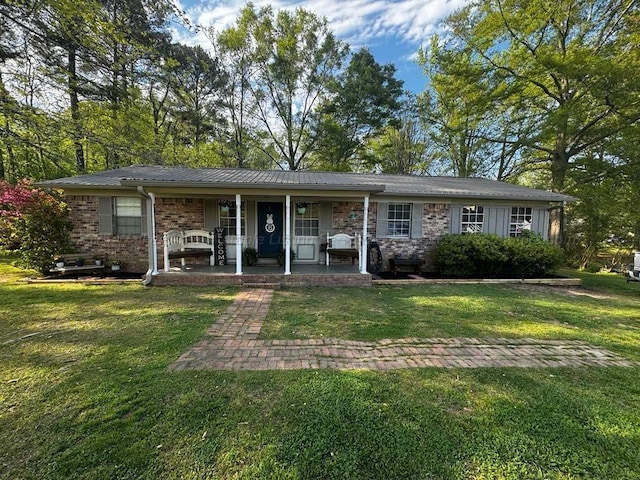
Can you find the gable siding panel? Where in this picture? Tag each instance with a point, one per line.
(497, 221)
(143, 218)
(540, 221)
(210, 214)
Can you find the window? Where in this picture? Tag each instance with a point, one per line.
(307, 224)
(520, 220)
(228, 217)
(472, 219)
(127, 218)
(399, 220)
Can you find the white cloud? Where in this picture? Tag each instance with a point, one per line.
(392, 29)
(356, 21)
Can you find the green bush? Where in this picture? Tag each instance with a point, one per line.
(33, 222)
(249, 256)
(491, 256)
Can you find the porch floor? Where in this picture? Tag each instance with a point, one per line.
(301, 275)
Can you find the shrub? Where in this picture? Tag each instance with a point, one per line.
(249, 256)
(33, 222)
(490, 256)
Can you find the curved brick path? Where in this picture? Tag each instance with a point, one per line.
(231, 344)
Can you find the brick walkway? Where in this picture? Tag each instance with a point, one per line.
(231, 344)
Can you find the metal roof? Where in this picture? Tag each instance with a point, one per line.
(385, 185)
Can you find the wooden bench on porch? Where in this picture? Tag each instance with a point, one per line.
(184, 244)
(343, 245)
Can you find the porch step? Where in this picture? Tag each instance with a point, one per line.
(269, 285)
(267, 261)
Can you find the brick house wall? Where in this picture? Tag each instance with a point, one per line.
(187, 213)
(171, 213)
(435, 224)
(85, 236)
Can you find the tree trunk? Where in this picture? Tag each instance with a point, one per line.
(75, 111)
(6, 168)
(559, 168)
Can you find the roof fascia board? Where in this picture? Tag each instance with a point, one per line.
(458, 197)
(235, 187)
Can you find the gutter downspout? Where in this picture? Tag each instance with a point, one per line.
(151, 233)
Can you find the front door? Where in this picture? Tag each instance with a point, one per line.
(270, 230)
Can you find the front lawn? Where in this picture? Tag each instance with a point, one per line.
(605, 312)
(85, 392)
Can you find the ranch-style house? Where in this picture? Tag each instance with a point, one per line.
(192, 225)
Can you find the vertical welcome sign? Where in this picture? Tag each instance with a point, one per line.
(220, 245)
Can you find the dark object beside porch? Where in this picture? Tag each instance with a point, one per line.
(398, 262)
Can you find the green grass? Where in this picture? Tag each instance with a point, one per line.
(606, 312)
(85, 392)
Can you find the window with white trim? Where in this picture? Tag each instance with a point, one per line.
(307, 224)
(399, 220)
(471, 219)
(520, 220)
(228, 216)
(127, 215)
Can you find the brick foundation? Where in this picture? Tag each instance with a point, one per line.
(204, 279)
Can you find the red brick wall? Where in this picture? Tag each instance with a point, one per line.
(131, 250)
(171, 213)
(435, 224)
(187, 213)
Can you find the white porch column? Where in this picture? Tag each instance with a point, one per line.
(365, 227)
(238, 235)
(287, 236)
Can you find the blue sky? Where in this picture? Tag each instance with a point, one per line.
(393, 30)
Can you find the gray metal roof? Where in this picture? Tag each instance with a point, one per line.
(386, 185)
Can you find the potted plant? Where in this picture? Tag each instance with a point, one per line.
(282, 254)
(98, 262)
(59, 262)
(250, 256)
(80, 262)
(301, 207)
(225, 205)
(115, 265)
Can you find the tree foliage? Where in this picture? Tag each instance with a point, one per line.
(560, 73)
(365, 99)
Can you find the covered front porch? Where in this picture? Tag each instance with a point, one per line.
(317, 237)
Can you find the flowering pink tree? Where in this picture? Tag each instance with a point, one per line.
(33, 222)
